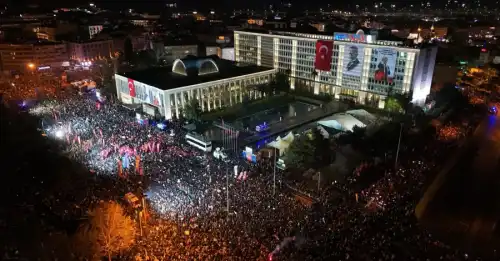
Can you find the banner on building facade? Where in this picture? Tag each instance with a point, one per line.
(155, 97)
(131, 87)
(385, 60)
(324, 52)
(353, 60)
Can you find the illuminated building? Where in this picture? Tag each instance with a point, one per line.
(40, 54)
(94, 29)
(91, 50)
(215, 83)
(356, 63)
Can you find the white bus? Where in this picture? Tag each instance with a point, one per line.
(199, 142)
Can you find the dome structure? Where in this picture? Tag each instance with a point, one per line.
(179, 67)
(201, 66)
(207, 66)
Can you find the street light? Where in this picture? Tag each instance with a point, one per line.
(31, 66)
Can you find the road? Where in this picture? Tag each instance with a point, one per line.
(466, 208)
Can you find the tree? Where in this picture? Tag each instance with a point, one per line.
(192, 110)
(355, 137)
(310, 151)
(108, 231)
(300, 154)
(280, 83)
(397, 102)
(128, 50)
(392, 105)
(322, 151)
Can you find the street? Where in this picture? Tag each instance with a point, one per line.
(466, 209)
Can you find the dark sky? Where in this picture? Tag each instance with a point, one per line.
(157, 5)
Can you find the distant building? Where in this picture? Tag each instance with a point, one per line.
(484, 57)
(51, 32)
(212, 50)
(171, 50)
(227, 53)
(214, 83)
(139, 41)
(320, 26)
(147, 21)
(29, 56)
(90, 50)
(93, 30)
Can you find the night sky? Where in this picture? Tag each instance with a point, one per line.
(204, 5)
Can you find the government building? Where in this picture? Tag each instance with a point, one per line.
(356, 67)
(214, 82)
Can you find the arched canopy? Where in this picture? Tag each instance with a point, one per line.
(207, 66)
(202, 66)
(179, 67)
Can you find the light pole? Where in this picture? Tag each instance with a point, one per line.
(227, 191)
(319, 181)
(399, 145)
(274, 173)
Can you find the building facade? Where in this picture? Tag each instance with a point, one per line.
(213, 93)
(93, 30)
(90, 50)
(173, 52)
(361, 68)
(21, 57)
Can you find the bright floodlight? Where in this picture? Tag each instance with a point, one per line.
(59, 134)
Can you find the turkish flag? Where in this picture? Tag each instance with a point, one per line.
(131, 87)
(324, 52)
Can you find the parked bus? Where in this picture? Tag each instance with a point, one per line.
(199, 142)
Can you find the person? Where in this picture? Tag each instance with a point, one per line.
(383, 71)
(353, 58)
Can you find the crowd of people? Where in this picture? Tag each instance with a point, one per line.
(183, 184)
(203, 211)
(450, 133)
(21, 87)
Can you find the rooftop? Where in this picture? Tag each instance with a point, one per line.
(383, 38)
(33, 42)
(191, 71)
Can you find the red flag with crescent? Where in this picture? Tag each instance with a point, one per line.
(324, 52)
(131, 87)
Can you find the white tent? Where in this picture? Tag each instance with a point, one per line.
(282, 144)
(341, 121)
(363, 116)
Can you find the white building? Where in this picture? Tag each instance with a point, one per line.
(407, 69)
(39, 55)
(215, 83)
(94, 29)
(90, 50)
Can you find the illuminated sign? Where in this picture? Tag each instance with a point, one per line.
(358, 38)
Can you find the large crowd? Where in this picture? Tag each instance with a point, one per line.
(195, 218)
